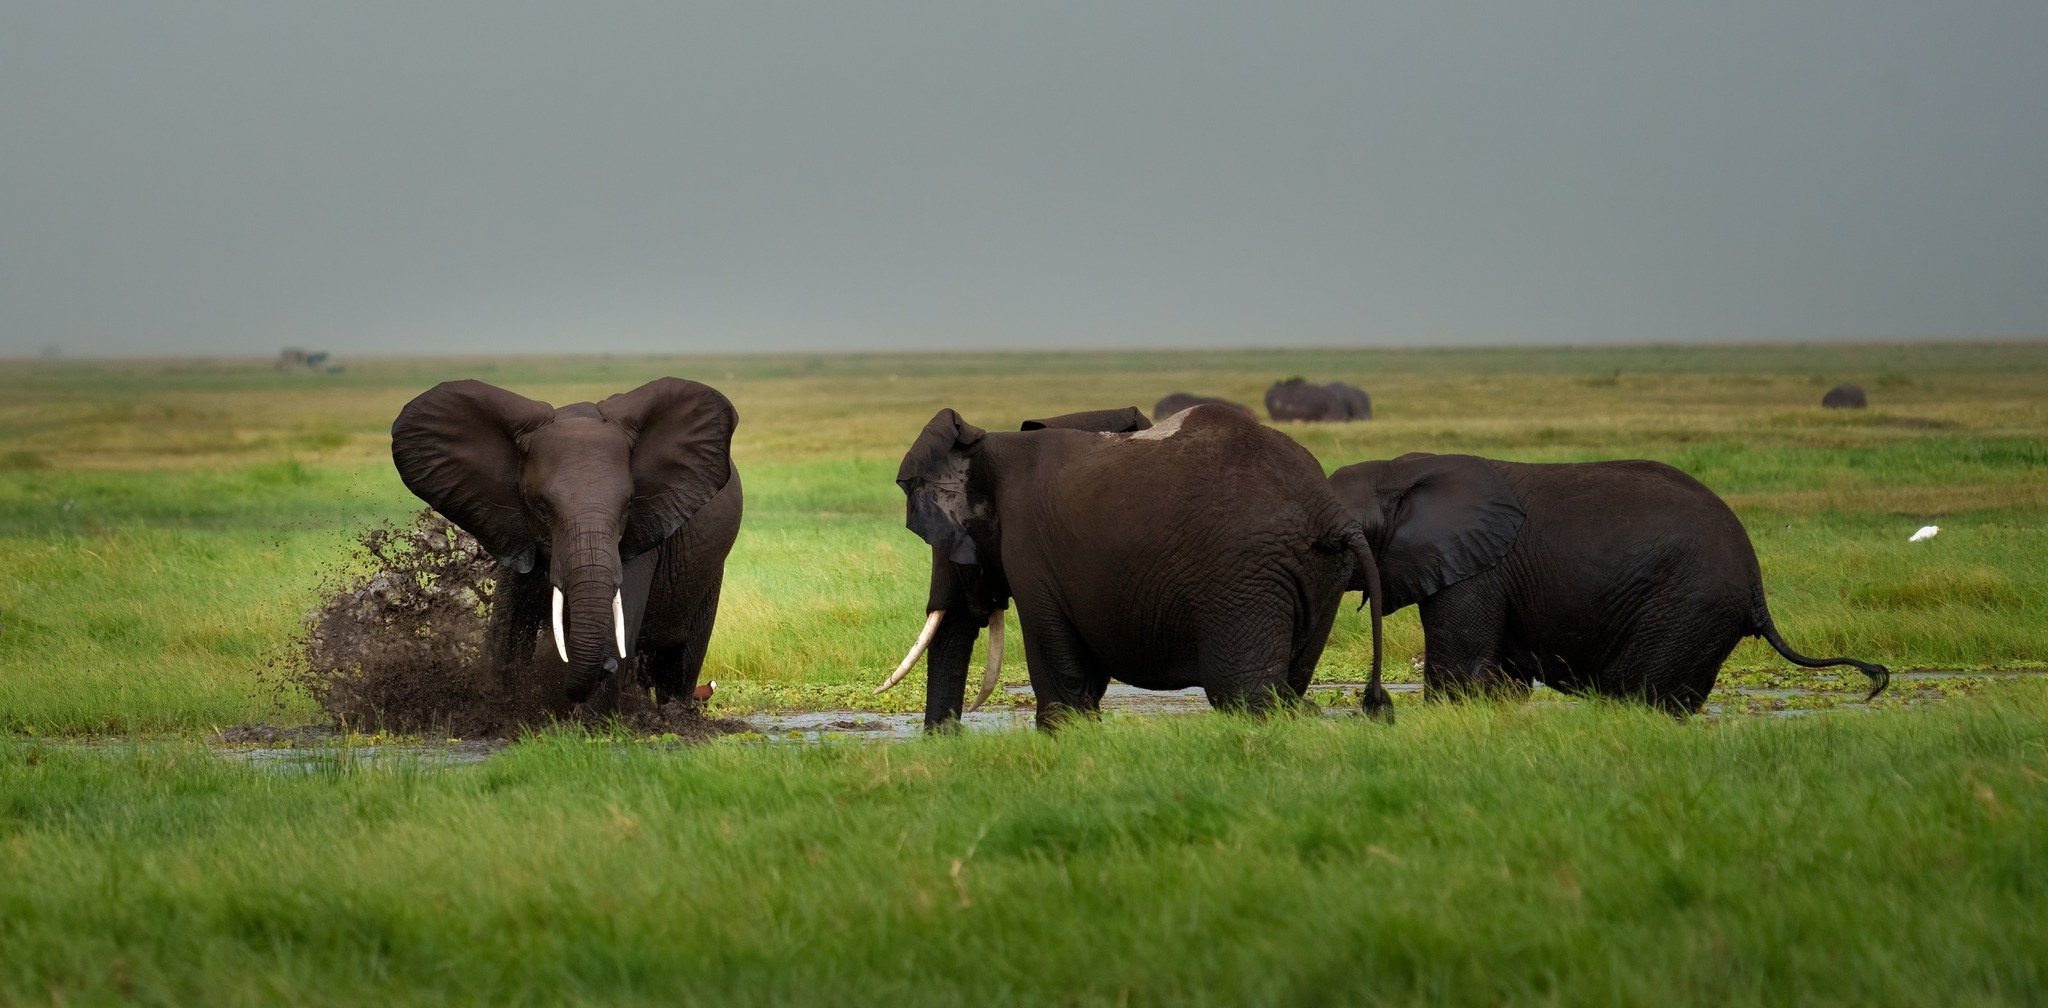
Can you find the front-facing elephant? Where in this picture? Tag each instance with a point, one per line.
(612, 518)
(1622, 578)
(1206, 551)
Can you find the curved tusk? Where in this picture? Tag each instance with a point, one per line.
(619, 622)
(924, 640)
(995, 659)
(560, 648)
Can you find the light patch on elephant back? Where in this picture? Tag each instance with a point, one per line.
(1163, 429)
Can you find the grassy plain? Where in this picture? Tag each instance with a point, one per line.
(163, 526)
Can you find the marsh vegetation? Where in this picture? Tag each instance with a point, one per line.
(165, 528)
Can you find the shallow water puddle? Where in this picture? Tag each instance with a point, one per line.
(317, 749)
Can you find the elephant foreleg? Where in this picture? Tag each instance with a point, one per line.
(519, 604)
(1464, 630)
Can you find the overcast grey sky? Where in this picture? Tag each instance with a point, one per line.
(466, 176)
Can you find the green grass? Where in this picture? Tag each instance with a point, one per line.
(1599, 854)
(164, 526)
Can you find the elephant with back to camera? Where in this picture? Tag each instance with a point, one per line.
(1206, 551)
(610, 522)
(1299, 399)
(1621, 578)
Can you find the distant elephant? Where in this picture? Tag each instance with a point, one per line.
(1206, 551)
(1844, 396)
(1357, 405)
(1621, 578)
(1177, 401)
(1297, 399)
(625, 509)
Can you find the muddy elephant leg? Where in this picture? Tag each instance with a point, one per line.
(673, 670)
(1063, 672)
(1463, 631)
(519, 609)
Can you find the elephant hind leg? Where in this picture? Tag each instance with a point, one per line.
(1670, 671)
(1065, 675)
(1256, 666)
(673, 670)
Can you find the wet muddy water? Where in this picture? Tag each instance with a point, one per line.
(317, 749)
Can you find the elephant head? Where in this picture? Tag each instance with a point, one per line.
(568, 494)
(1432, 520)
(967, 588)
(948, 510)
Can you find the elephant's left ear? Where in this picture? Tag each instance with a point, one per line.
(1128, 420)
(682, 455)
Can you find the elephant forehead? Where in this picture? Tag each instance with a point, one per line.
(578, 441)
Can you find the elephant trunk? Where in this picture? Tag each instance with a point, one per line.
(589, 624)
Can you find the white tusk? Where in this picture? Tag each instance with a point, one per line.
(560, 648)
(995, 659)
(619, 622)
(924, 640)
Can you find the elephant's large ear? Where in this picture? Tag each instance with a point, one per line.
(1434, 520)
(934, 479)
(1128, 420)
(456, 446)
(682, 455)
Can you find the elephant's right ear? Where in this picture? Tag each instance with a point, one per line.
(456, 445)
(1128, 420)
(934, 479)
(1433, 520)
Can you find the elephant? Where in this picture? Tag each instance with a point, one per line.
(625, 509)
(1298, 399)
(1624, 578)
(1844, 396)
(1123, 420)
(1206, 551)
(1177, 401)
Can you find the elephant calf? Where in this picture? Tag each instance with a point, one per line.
(1206, 551)
(1622, 578)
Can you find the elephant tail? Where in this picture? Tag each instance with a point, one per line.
(1760, 615)
(1376, 702)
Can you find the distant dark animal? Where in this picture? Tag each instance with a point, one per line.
(621, 511)
(1178, 401)
(1844, 396)
(1622, 578)
(1357, 405)
(1206, 551)
(1297, 399)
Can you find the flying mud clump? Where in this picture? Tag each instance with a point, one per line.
(398, 645)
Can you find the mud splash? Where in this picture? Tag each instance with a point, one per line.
(397, 645)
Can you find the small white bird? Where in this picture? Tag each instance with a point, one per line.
(1926, 532)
